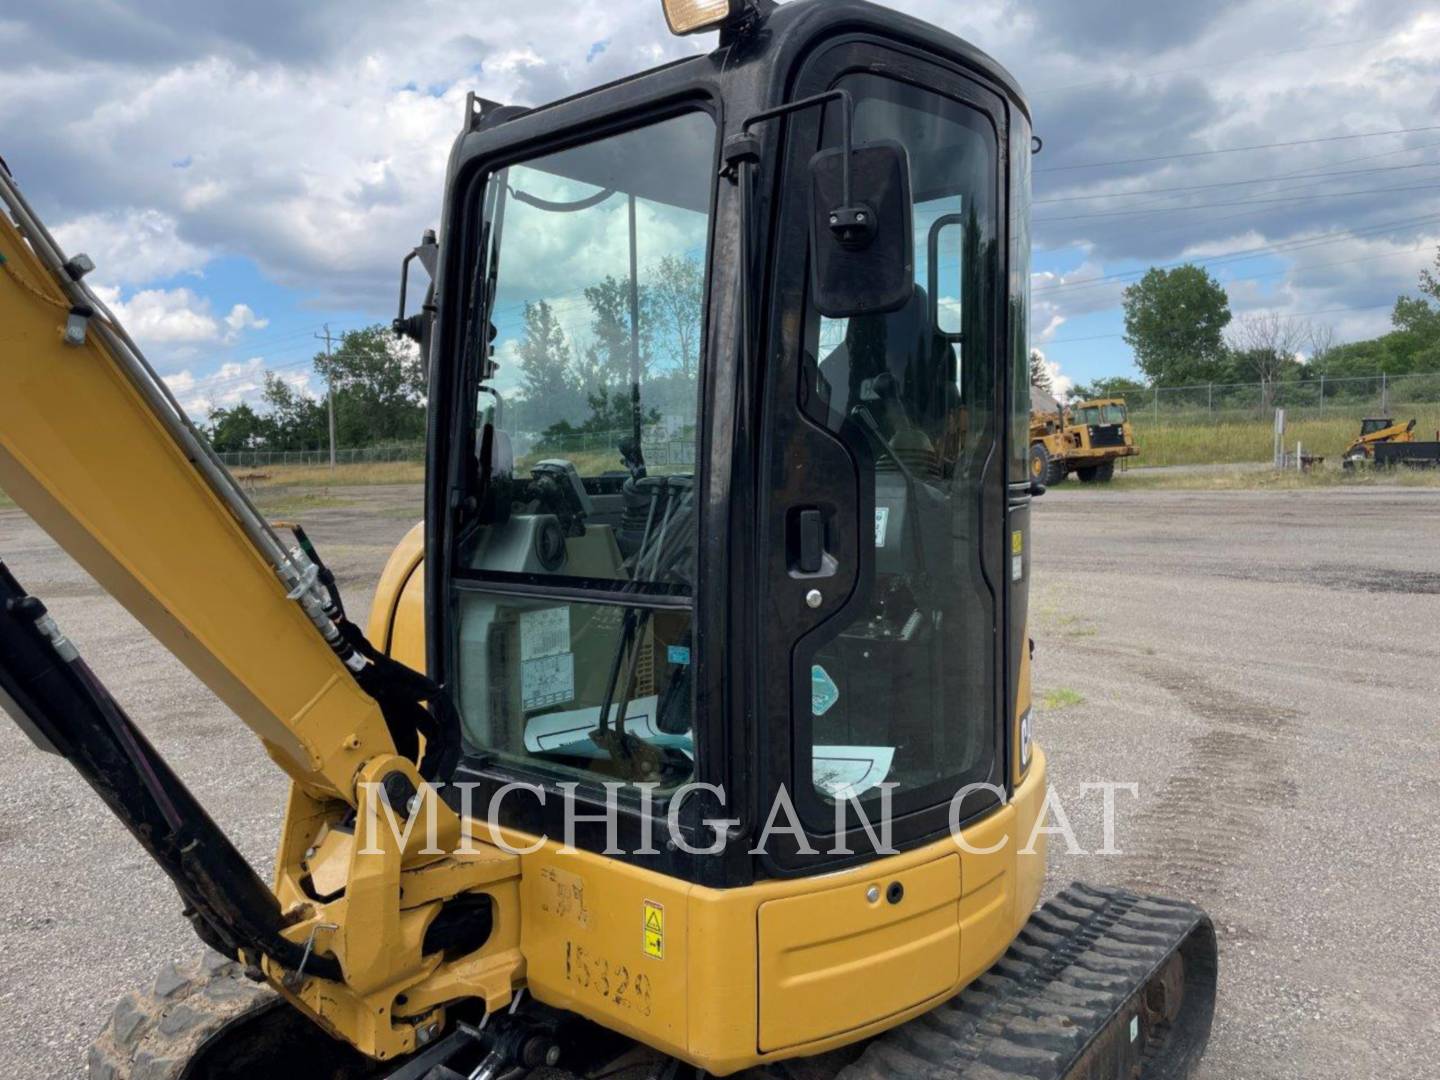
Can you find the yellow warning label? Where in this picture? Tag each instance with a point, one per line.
(654, 930)
(1017, 542)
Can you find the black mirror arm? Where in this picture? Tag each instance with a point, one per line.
(413, 327)
(852, 223)
(745, 145)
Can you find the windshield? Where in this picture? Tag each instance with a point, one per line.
(593, 269)
(1112, 414)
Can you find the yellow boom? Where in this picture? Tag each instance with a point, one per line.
(100, 455)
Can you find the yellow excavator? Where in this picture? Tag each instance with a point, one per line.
(707, 754)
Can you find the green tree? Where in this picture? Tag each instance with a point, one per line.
(237, 428)
(1414, 314)
(1175, 321)
(379, 385)
(295, 421)
(1412, 347)
(1264, 348)
(547, 372)
(1115, 386)
(677, 295)
(610, 353)
(611, 419)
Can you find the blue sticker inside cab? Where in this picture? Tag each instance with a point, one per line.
(678, 654)
(823, 691)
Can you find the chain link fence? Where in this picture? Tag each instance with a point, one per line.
(367, 455)
(1234, 422)
(1310, 398)
(1214, 422)
(663, 448)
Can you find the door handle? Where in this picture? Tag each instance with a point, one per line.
(808, 541)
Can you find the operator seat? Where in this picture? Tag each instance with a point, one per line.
(920, 392)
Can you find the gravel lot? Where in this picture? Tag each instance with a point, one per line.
(1264, 666)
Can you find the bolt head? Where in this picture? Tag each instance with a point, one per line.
(873, 894)
(814, 599)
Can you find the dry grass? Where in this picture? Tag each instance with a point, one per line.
(1253, 479)
(322, 476)
(1246, 439)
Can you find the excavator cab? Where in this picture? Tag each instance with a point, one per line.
(722, 753)
(689, 525)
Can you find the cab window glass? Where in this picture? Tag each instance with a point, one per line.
(593, 285)
(903, 692)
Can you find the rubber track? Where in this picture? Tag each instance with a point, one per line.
(1076, 963)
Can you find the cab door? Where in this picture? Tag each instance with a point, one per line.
(881, 668)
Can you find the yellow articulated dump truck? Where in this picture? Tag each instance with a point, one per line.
(1086, 438)
(722, 764)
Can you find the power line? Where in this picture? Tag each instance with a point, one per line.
(1142, 212)
(209, 383)
(1233, 183)
(1238, 149)
(1310, 170)
(1212, 66)
(1293, 314)
(1249, 253)
(1407, 253)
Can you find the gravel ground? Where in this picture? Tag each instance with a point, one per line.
(1262, 665)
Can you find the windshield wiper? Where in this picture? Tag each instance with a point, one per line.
(637, 757)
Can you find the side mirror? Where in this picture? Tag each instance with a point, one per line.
(862, 235)
(428, 252)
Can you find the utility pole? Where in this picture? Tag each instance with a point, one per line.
(329, 392)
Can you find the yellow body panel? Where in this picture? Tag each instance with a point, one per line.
(397, 614)
(798, 966)
(826, 944)
(782, 968)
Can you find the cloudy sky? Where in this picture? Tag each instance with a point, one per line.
(243, 173)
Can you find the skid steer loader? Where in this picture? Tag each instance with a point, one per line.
(702, 747)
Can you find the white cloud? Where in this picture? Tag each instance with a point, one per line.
(232, 383)
(130, 246)
(175, 326)
(240, 319)
(316, 144)
(164, 316)
(1060, 383)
